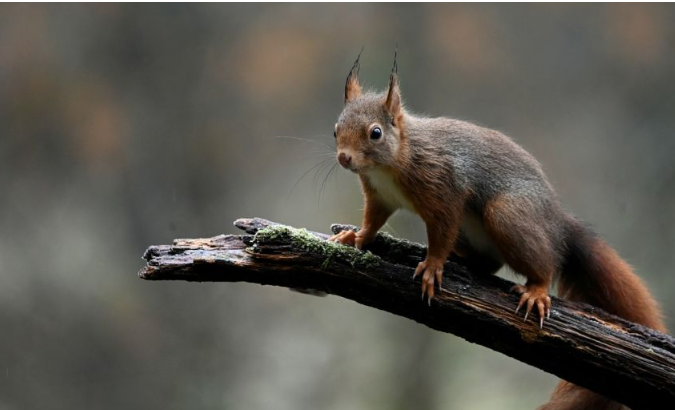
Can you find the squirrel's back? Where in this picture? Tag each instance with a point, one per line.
(481, 161)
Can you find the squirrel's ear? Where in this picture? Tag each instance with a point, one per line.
(393, 101)
(352, 87)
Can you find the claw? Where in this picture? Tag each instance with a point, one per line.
(439, 279)
(521, 302)
(534, 295)
(432, 271)
(429, 283)
(530, 304)
(419, 269)
(345, 238)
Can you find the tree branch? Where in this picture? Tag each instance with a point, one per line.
(579, 343)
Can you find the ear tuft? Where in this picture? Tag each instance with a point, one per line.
(393, 101)
(352, 87)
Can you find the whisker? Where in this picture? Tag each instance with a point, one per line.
(322, 162)
(318, 173)
(325, 151)
(304, 140)
(323, 184)
(323, 156)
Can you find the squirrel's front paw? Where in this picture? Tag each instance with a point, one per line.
(534, 294)
(347, 237)
(433, 272)
(351, 238)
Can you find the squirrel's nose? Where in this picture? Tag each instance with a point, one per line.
(344, 159)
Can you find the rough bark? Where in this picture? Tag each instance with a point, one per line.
(579, 343)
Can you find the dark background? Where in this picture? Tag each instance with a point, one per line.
(123, 126)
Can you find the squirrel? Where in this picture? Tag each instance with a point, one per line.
(487, 200)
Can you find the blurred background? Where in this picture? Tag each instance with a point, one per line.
(123, 126)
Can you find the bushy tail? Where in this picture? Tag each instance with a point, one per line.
(594, 273)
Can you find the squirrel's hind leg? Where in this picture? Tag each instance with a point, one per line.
(526, 248)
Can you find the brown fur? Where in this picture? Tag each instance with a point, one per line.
(481, 194)
(568, 396)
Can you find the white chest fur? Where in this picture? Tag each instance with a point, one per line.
(388, 190)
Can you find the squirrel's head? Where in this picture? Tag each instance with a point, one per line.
(369, 131)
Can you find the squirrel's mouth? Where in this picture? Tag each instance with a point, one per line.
(355, 165)
(353, 168)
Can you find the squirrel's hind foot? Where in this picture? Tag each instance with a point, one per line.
(531, 295)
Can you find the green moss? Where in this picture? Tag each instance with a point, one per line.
(304, 240)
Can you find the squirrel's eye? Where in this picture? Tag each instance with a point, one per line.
(376, 133)
(334, 134)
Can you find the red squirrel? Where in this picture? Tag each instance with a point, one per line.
(484, 198)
